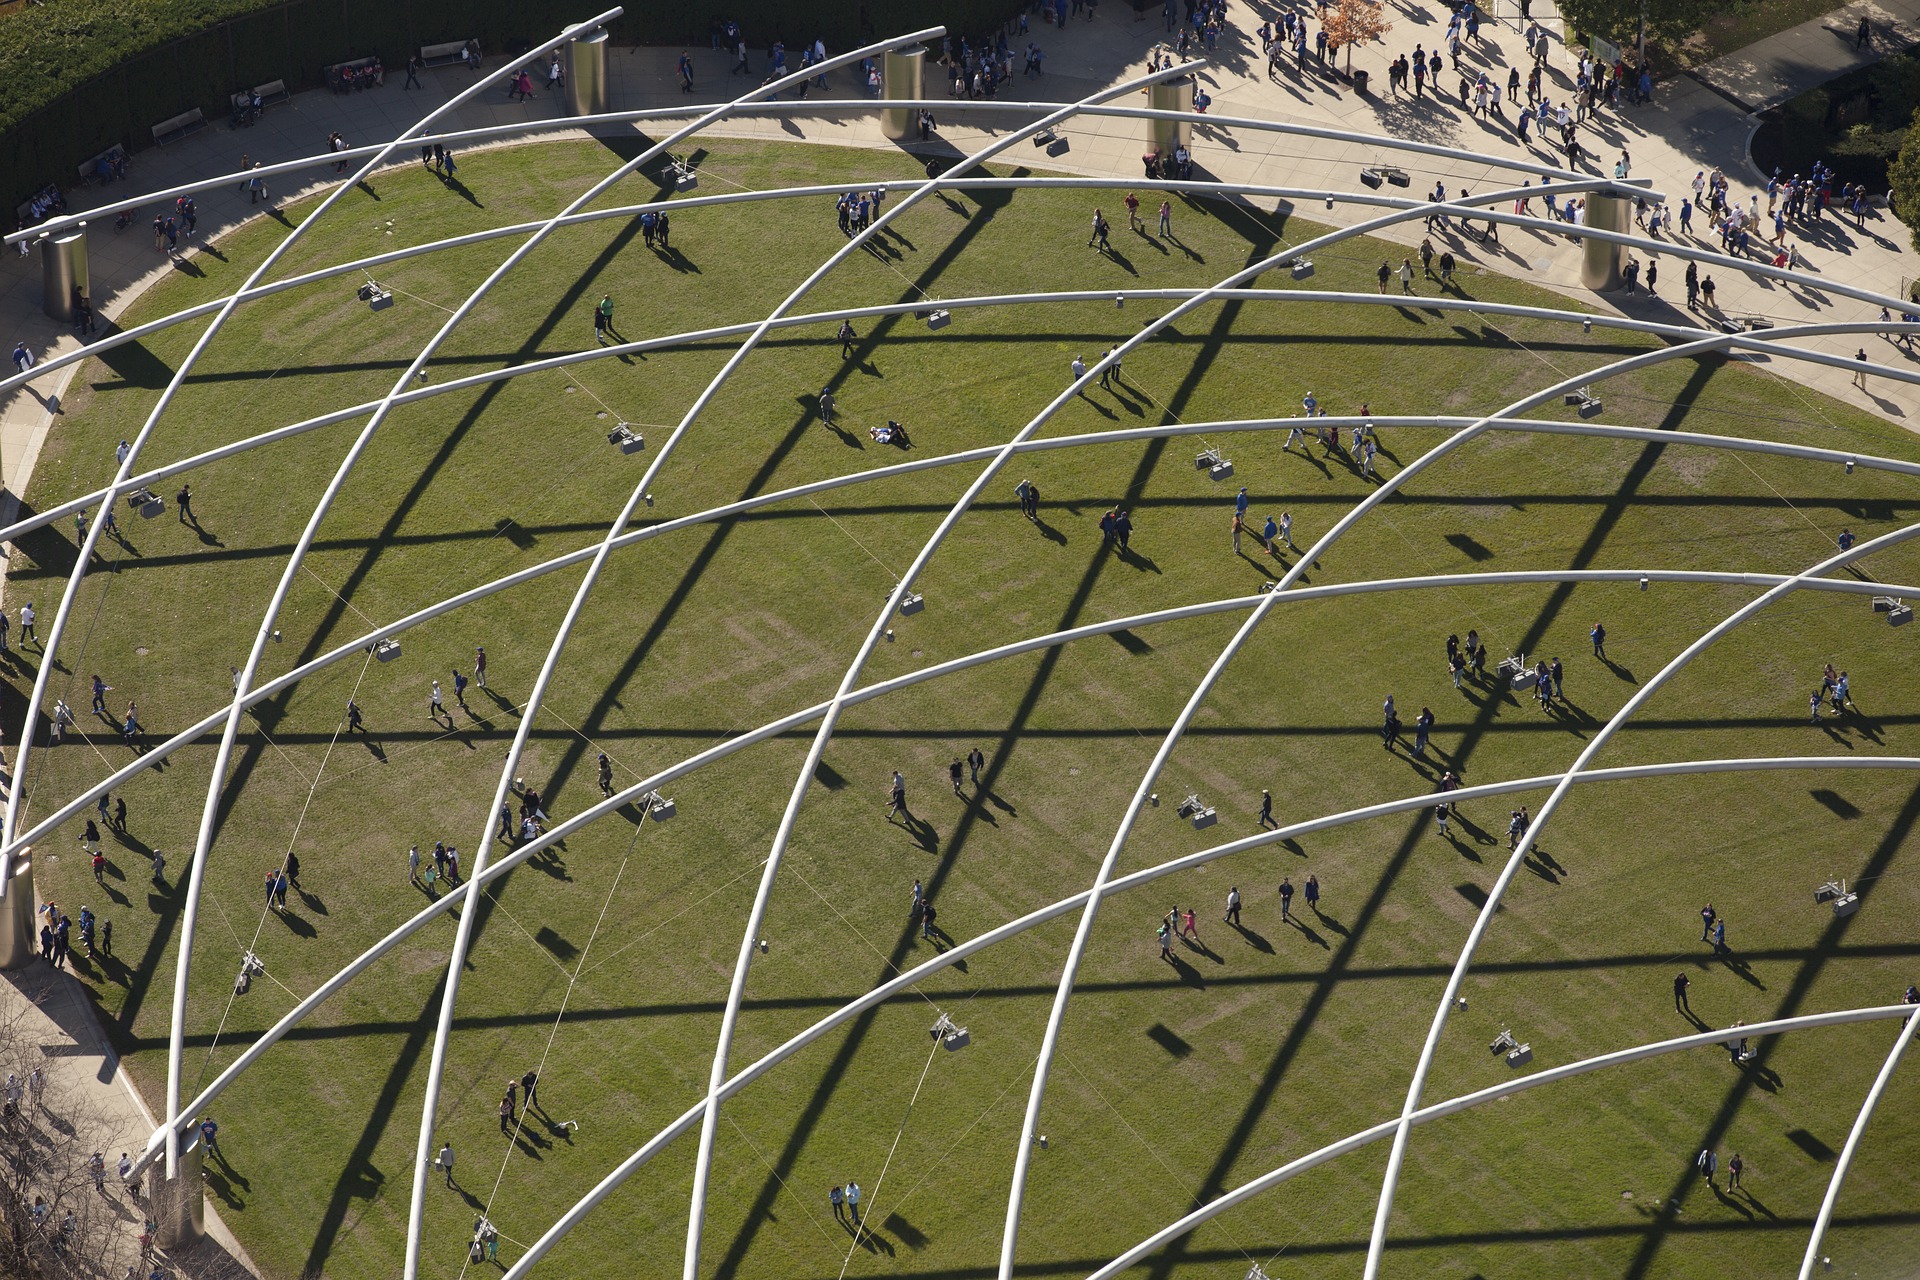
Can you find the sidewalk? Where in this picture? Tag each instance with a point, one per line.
(61, 1020)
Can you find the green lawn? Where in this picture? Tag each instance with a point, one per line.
(610, 960)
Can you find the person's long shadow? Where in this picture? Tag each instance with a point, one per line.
(1307, 932)
(1480, 834)
(1328, 921)
(1253, 939)
(299, 926)
(1189, 976)
(1727, 1200)
(1741, 969)
(1048, 532)
(1196, 943)
(1466, 851)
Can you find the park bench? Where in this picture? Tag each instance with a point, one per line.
(340, 74)
(272, 93)
(446, 53)
(52, 206)
(180, 126)
(90, 167)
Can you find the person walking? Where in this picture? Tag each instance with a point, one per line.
(954, 774)
(26, 626)
(1706, 922)
(1720, 936)
(1313, 894)
(435, 709)
(1680, 985)
(445, 1161)
(896, 796)
(603, 319)
(506, 1114)
(460, 688)
(1166, 218)
(1707, 1163)
(836, 1196)
(1735, 1166)
(1188, 928)
(1233, 907)
(1599, 637)
(847, 338)
(976, 761)
(1164, 934)
(413, 865)
(1266, 809)
(529, 1081)
(927, 916)
(480, 667)
(1099, 235)
(1286, 898)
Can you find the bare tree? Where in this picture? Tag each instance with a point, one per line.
(63, 1212)
(1352, 22)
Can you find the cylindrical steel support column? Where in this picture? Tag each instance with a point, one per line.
(1171, 95)
(63, 268)
(587, 73)
(1602, 261)
(179, 1205)
(18, 943)
(901, 71)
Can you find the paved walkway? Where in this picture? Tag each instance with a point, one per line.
(1702, 121)
(58, 1016)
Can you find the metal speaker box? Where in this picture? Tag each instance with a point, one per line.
(913, 604)
(1846, 904)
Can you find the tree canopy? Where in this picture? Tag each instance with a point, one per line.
(1619, 20)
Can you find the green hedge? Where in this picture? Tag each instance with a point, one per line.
(82, 75)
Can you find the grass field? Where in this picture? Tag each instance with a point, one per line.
(610, 960)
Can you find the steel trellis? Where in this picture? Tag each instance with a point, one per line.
(721, 1085)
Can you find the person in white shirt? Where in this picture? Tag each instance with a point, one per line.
(1079, 368)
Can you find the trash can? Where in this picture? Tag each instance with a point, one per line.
(1360, 83)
